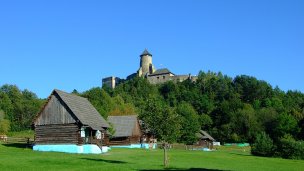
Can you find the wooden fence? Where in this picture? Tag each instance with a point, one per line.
(3, 137)
(20, 141)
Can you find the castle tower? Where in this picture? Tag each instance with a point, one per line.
(146, 66)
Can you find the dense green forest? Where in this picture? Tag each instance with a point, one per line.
(240, 109)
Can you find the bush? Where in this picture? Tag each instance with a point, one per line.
(263, 145)
(4, 126)
(289, 148)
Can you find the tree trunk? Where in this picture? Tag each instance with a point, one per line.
(166, 163)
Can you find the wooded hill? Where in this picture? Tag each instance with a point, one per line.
(236, 109)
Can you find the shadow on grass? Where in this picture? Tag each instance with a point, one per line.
(16, 145)
(191, 169)
(105, 161)
(239, 154)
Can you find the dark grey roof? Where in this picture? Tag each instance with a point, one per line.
(145, 52)
(204, 135)
(161, 71)
(83, 110)
(123, 125)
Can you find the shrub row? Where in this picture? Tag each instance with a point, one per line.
(287, 147)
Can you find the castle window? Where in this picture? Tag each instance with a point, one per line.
(150, 69)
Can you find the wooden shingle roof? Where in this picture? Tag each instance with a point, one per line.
(204, 135)
(123, 125)
(82, 109)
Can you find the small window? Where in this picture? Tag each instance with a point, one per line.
(164, 77)
(158, 78)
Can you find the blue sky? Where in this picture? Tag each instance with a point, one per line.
(74, 44)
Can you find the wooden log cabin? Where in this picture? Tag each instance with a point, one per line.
(69, 123)
(126, 130)
(205, 140)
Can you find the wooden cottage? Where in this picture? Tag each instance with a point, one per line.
(127, 130)
(205, 140)
(69, 123)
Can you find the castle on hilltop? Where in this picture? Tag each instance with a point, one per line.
(147, 70)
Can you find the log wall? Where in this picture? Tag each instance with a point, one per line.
(122, 140)
(57, 134)
(134, 140)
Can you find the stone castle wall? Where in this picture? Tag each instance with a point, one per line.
(159, 79)
(111, 82)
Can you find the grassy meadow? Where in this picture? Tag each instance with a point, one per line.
(14, 157)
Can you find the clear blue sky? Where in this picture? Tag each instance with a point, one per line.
(74, 44)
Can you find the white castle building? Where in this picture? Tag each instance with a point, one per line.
(147, 70)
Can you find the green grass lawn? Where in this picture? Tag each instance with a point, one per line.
(15, 158)
(22, 134)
